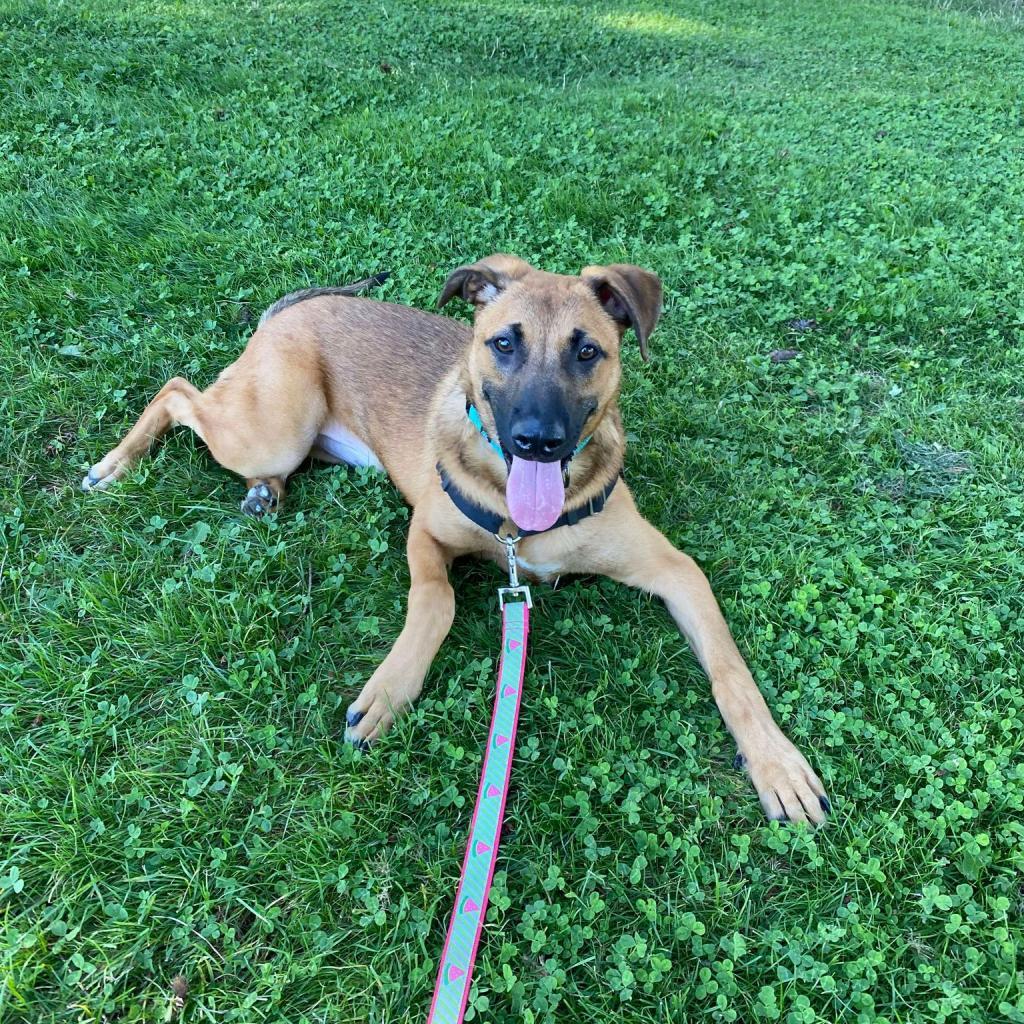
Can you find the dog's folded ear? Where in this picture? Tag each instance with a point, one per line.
(485, 280)
(630, 295)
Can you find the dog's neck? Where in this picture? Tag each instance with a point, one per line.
(481, 473)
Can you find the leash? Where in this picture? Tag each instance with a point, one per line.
(455, 971)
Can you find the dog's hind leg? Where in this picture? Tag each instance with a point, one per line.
(259, 419)
(174, 404)
(262, 426)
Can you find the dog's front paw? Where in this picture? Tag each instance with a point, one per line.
(352, 734)
(384, 698)
(98, 480)
(787, 786)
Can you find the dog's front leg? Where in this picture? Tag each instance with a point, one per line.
(643, 557)
(399, 677)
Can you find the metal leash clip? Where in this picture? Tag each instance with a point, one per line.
(514, 588)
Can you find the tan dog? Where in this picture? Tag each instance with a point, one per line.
(370, 383)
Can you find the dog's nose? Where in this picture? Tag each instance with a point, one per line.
(533, 439)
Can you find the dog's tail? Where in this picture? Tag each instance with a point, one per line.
(314, 293)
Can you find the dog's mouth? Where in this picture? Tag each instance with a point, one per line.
(535, 488)
(563, 464)
(535, 491)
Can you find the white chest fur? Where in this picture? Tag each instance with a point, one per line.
(541, 571)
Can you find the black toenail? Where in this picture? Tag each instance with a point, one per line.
(739, 761)
(825, 805)
(361, 744)
(353, 718)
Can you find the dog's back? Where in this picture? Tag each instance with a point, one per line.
(293, 298)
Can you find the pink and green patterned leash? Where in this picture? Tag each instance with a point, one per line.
(451, 990)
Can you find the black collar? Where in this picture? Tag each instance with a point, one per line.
(492, 522)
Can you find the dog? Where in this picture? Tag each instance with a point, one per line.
(511, 426)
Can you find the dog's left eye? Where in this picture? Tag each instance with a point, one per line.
(503, 344)
(586, 352)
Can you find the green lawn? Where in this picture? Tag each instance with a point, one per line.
(174, 795)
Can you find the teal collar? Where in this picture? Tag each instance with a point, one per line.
(474, 418)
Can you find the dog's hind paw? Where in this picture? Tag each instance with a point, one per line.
(259, 500)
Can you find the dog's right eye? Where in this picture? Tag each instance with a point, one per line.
(503, 344)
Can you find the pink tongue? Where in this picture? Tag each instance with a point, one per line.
(534, 493)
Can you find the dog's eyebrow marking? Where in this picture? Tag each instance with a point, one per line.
(488, 293)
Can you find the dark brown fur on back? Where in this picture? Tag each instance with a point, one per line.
(356, 288)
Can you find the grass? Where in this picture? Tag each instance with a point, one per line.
(174, 799)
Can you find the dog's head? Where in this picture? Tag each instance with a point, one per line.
(544, 362)
(543, 366)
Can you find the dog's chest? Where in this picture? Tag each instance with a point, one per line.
(544, 571)
(545, 557)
